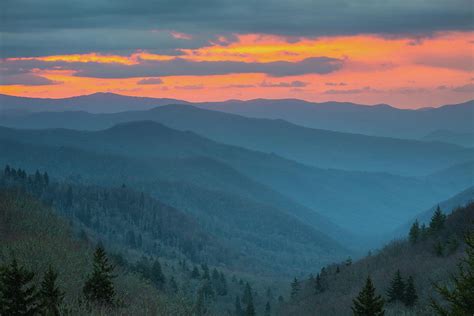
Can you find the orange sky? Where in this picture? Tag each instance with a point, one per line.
(403, 72)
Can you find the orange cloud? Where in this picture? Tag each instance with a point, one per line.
(404, 72)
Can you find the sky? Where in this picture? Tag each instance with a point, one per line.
(408, 54)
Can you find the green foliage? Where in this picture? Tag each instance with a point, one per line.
(157, 275)
(437, 220)
(459, 297)
(268, 309)
(99, 288)
(410, 297)
(50, 295)
(367, 302)
(396, 291)
(414, 234)
(18, 296)
(295, 288)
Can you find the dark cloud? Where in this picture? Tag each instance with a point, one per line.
(31, 27)
(179, 67)
(292, 84)
(150, 81)
(333, 84)
(351, 91)
(25, 80)
(467, 88)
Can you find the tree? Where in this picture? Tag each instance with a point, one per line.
(437, 220)
(318, 285)
(438, 249)
(99, 288)
(367, 303)
(18, 296)
(459, 297)
(195, 273)
(247, 298)
(414, 234)
(295, 288)
(50, 295)
(268, 309)
(157, 275)
(250, 310)
(238, 307)
(410, 296)
(396, 291)
(173, 286)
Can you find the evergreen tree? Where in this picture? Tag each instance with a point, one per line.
(459, 297)
(195, 274)
(173, 286)
(414, 234)
(50, 295)
(250, 310)
(396, 291)
(238, 307)
(46, 178)
(99, 288)
(18, 297)
(318, 284)
(367, 303)
(438, 249)
(268, 309)
(410, 296)
(295, 288)
(205, 272)
(157, 275)
(437, 220)
(247, 294)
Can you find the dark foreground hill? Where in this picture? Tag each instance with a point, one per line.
(38, 239)
(431, 257)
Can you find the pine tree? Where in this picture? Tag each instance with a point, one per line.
(250, 310)
(173, 286)
(157, 275)
(414, 232)
(295, 288)
(437, 220)
(268, 309)
(459, 297)
(438, 249)
(367, 303)
(18, 296)
(410, 296)
(396, 291)
(318, 285)
(50, 295)
(195, 274)
(99, 288)
(247, 294)
(238, 307)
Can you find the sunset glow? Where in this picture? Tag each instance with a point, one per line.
(403, 71)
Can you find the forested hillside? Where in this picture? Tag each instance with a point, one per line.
(405, 272)
(44, 268)
(309, 193)
(156, 245)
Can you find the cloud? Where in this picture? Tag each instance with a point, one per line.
(467, 88)
(351, 91)
(32, 28)
(333, 84)
(292, 84)
(150, 81)
(182, 67)
(190, 87)
(26, 80)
